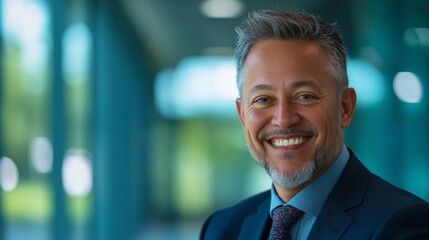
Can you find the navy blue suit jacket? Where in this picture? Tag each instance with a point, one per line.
(360, 206)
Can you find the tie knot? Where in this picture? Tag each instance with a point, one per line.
(284, 217)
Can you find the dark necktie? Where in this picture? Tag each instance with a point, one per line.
(284, 217)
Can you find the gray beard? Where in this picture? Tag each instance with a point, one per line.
(292, 179)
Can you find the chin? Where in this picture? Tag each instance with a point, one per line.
(294, 177)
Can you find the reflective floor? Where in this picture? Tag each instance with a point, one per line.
(155, 230)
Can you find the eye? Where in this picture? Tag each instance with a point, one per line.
(262, 100)
(306, 97)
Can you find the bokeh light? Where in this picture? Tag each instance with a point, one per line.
(222, 8)
(77, 173)
(407, 87)
(41, 154)
(77, 44)
(367, 81)
(9, 176)
(197, 86)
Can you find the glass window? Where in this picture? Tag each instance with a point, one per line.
(25, 106)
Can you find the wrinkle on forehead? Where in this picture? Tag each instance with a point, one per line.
(268, 50)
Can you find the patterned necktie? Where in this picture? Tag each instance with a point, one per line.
(284, 217)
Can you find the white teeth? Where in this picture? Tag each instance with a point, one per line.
(288, 142)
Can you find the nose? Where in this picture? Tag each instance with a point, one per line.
(285, 115)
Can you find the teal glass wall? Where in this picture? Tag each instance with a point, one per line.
(99, 141)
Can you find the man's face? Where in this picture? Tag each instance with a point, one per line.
(291, 111)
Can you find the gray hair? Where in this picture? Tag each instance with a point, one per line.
(288, 25)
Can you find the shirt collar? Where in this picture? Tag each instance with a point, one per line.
(312, 197)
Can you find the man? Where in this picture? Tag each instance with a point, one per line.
(294, 105)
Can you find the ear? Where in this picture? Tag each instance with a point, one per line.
(348, 104)
(238, 104)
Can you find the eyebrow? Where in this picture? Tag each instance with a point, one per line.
(306, 83)
(260, 87)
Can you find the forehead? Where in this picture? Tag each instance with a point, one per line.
(279, 61)
(285, 51)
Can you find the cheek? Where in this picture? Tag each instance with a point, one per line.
(324, 119)
(256, 121)
(330, 122)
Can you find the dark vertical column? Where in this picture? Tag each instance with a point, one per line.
(122, 98)
(91, 21)
(59, 226)
(388, 40)
(415, 58)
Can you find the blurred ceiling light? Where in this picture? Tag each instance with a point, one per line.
(417, 37)
(408, 87)
(222, 8)
(367, 80)
(27, 23)
(77, 173)
(9, 176)
(198, 86)
(41, 154)
(77, 44)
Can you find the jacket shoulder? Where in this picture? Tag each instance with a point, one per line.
(228, 221)
(408, 222)
(375, 204)
(358, 185)
(247, 205)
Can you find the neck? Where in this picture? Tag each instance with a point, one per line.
(287, 194)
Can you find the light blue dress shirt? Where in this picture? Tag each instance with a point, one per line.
(312, 197)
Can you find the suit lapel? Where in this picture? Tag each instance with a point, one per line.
(255, 225)
(333, 219)
(331, 223)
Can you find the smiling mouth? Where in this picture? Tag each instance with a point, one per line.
(289, 141)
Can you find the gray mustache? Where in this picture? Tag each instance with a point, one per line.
(263, 136)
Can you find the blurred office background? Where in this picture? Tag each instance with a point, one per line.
(117, 117)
